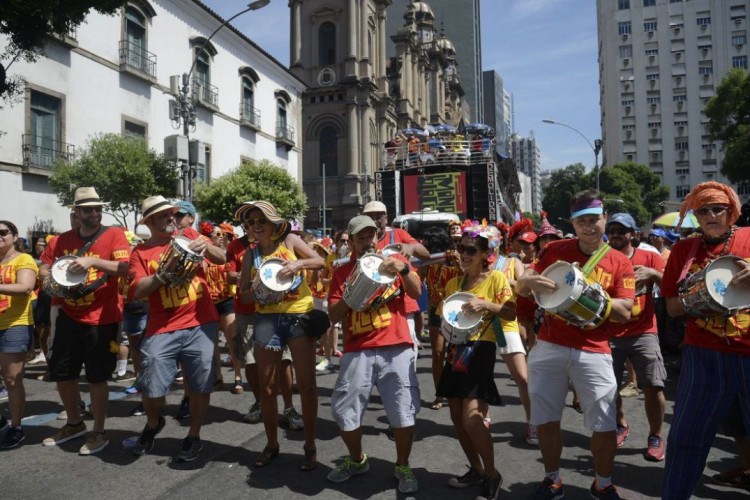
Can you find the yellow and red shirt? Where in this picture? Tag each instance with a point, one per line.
(15, 310)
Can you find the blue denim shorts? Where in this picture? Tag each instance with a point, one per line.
(16, 339)
(274, 331)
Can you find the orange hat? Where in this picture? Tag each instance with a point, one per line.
(712, 193)
(226, 228)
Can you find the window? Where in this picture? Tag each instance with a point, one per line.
(284, 132)
(132, 129)
(739, 62)
(682, 170)
(44, 142)
(649, 26)
(327, 44)
(679, 98)
(653, 100)
(249, 113)
(629, 126)
(675, 1)
(652, 76)
(133, 46)
(743, 188)
(682, 191)
(652, 52)
(623, 4)
(705, 70)
(703, 21)
(626, 51)
(681, 146)
(627, 102)
(739, 40)
(329, 151)
(623, 28)
(203, 170)
(680, 123)
(649, 3)
(654, 125)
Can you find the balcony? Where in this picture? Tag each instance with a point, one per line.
(285, 135)
(206, 94)
(41, 153)
(69, 38)
(250, 117)
(137, 61)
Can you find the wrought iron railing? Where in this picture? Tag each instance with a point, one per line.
(436, 152)
(43, 152)
(136, 57)
(205, 92)
(284, 132)
(250, 115)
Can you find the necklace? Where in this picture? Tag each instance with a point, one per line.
(715, 241)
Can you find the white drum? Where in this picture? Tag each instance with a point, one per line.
(389, 250)
(366, 283)
(458, 326)
(269, 287)
(61, 282)
(178, 265)
(707, 293)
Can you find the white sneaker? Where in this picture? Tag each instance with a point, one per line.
(37, 360)
(323, 365)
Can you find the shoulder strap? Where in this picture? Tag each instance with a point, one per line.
(393, 235)
(690, 258)
(500, 262)
(595, 258)
(90, 243)
(245, 241)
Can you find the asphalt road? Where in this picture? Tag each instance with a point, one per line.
(225, 469)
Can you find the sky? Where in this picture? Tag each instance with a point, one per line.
(545, 51)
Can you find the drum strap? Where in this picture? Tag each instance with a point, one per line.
(95, 285)
(690, 258)
(595, 258)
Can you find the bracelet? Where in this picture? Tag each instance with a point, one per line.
(160, 279)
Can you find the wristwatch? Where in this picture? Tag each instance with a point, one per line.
(405, 271)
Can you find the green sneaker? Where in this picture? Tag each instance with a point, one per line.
(407, 483)
(349, 468)
(253, 416)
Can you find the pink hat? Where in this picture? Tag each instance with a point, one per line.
(547, 229)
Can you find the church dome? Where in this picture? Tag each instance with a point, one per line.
(446, 46)
(419, 13)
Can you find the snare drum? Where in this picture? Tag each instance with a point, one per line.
(458, 326)
(366, 284)
(178, 265)
(389, 250)
(268, 287)
(61, 282)
(579, 300)
(707, 293)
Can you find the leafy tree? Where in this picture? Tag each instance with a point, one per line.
(563, 184)
(123, 171)
(252, 180)
(728, 112)
(29, 24)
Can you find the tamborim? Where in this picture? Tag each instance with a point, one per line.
(178, 265)
(61, 282)
(579, 300)
(456, 325)
(268, 287)
(389, 250)
(707, 293)
(366, 284)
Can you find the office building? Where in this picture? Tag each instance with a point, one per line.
(527, 157)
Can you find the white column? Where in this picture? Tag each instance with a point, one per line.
(296, 29)
(353, 139)
(352, 28)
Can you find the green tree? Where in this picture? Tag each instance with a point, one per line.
(564, 183)
(728, 112)
(28, 24)
(122, 169)
(252, 180)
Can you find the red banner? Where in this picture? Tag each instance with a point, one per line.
(445, 192)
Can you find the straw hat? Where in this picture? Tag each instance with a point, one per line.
(267, 208)
(153, 205)
(86, 197)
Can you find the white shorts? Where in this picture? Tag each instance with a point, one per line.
(514, 344)
(550, 367)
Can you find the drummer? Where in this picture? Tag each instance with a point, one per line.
(182, 323)
(467, 379)
(716, 355)
(564, 351)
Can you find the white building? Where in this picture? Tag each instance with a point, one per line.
(113, 76)
(660, 62)
(526, 155)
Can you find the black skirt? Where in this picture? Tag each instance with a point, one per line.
(479, 382)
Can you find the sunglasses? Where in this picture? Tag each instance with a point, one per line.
(91, 210)
(469, 250)
(259, 220)
(621, 231)
(4, 232)
(217, 235)
(703, 211)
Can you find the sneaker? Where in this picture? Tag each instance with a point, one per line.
(292, 419)
(608, 493)
(735, 478)
(145, 441)
(37, 360)
(490, 488)
(655, 450)
(531, 437)
(95, 442)
(44, 377)
(349, 468)
(138, 411)
(191, 448)
(179, 378)
(184, 411)
(549, 490)
(3, 393)
(238, 388)
(12, 439)
(63, 415)
(65, 434)
(133, 389)
(471, 478)
(622, 434)
(125, 377)
(629, 390)
(323, 365)
(253, 416)
(407, 483)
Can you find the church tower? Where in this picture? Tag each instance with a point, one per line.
(338, 48)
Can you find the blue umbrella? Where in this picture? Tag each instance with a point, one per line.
(412, 131)
(444, 128)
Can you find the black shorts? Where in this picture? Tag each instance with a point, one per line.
(225, 307)
(478, 382)
(76, 345)
(41, 307)
(434, 318)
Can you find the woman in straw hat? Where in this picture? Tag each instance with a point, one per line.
(281, 322)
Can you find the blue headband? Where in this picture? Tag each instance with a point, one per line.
(587, 211)
(588, 207)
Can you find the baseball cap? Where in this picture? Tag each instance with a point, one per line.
(624, 219)
(527, 237)
(374, 207)
(658, 232)
(185, 207)
(359, 223)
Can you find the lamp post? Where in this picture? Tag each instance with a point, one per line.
(184, 111)
(596, 147)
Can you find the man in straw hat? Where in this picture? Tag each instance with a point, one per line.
(85, 333)
(181, 326)
(716, 354)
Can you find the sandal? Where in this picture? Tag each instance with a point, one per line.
(310, 461)
(437, 404)
(266, 457)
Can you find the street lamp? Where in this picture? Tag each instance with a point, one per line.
(185, 104)
(596, 147)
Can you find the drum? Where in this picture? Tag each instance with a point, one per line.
(366, 284)
(178, 265)
(707, 293)
(268, 287)
(456, 325)
(61, 282)
(578, 300)
(389, 250)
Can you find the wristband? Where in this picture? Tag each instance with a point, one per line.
(405, 271)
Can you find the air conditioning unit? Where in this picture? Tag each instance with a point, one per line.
(651, 58)
(626, 61)
(624, 37)
(650, 33)
(703, 27)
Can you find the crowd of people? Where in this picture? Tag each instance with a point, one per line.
(578, 311)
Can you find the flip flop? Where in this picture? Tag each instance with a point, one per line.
(437, 404)
(310, 461)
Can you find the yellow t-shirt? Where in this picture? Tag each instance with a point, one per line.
(298, 302)
(15, 310)
(494, 289)
(509, 269)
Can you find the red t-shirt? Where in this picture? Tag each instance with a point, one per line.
(172, 308)
(48, 257)
(104, 305)
(367, 330)
(235, 252)
(396, 235)
(720, 334)
(643, 318)
(614, 272)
